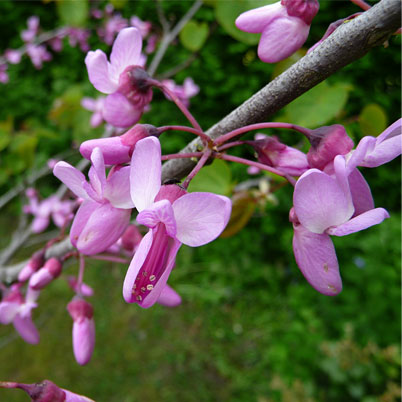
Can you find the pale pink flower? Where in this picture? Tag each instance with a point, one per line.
(173, 216)
(50, 271)
(85, 290)
(95, 106)
(326, 205)
(38, 54)
(105, 212)
(29, 34)
(184, 92)
(13, 56)
(123, 79)
(4, 78)
(284, 26)
(143, 26)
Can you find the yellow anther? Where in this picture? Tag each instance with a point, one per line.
(150, 287)
(152, 278)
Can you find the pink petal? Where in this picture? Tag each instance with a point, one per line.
(361, 193)
(71, 177)
(360, 222)
(383, 152)
(71, 397)
(8, 311)
(342, 177)
(126, 51)
(363, 147)
(103, 228)
(159, 212)
(145, 174)
(39, 224)
(135, 266)
(81, 218)
(153, 296)
(40, 279)
(320, 202)
(119, 112)
(281, 38)
(254, 21)
(97, 176)
(169, 297)
(26, 328)
(315, 255)
(201, 217)
(98, 72)
(392, 131)
(83, 340)
(113, 150)
(117, 189)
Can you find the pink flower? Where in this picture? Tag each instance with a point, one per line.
(83, 330)
(38, 54)
(46, 391)
(105, 212)
(143, 26)
(13, 56)
(114, 24)
(60, 211)
(14, 308)
(85, 290)
(33, 27)
(95, 106)
(183, 92)
(327, 205)
(273, 153)
(4, 78)
(79, 36)
(123, 79)
(284, 26)
(35, 262)
(173, 216)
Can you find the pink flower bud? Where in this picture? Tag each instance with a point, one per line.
(273, 153)
(118, 150)
(85, 290)
(46, 391)
(51, 270)
(326, 143)
(83, 330)
(33, 265)
(131, 238)
(303, 9)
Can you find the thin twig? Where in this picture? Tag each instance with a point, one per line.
(171, 35)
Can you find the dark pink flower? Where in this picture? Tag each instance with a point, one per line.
(173, 216)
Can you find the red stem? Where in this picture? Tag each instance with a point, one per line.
(362, 4)
(223, 138)
(197, 168)
(230, 145)
(191, 130)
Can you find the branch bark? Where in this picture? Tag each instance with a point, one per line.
(348, 43)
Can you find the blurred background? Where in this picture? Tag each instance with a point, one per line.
(250, 327)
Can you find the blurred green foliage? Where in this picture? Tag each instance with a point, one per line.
(250, 327)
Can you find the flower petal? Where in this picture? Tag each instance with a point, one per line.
(126, 51)
(320, 202)
(315, 255)
(117, 189)
(71, 177)
(145, 174)
(97, 228)
(98, 72)
(83, 340)
(26, 328)
(135, 266)
(281, 38)
(360, 222)
(254, 21)
(361, 193)
(159, 212)
(97, 176)
(8, 311)
(201, 217)
(119, 112)
(169, 297)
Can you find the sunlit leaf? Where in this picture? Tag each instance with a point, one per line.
(319, 105)
(215, 178)
(194, 35)
(73, 13)
(373, 120)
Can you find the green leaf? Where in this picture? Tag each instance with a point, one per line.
(226, 13)
(73, 13)
(373, 120)
(118, 4)
(215, 178)
(194, 35)
(4, 138)
(319, 105)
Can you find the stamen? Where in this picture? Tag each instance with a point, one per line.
(150, 287)
(152, 278)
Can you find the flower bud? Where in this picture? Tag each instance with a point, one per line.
(118, 150)
(83, 330)
(303, 9)
(169, 297)
(131, 238)
(85, 290)
(33, 265)
(326, 143)
(273, 153)
(51, 270)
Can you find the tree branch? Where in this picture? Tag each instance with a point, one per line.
(348, 43)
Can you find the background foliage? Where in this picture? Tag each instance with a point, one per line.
(250, 327)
